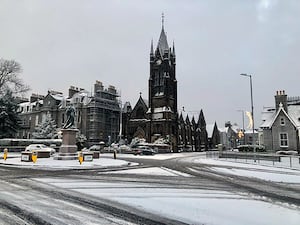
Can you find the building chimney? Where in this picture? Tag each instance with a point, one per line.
(281, 98)
(98, 86)
(73, 90)
(36, 97)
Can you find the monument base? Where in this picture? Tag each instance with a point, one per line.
(66, 156)
(68, 149)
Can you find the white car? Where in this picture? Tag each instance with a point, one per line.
(39, 147)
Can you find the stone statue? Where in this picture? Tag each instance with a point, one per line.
(70, 117)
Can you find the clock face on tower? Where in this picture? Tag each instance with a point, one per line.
(158, 62)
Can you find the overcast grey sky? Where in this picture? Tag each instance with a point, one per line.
(76, 42)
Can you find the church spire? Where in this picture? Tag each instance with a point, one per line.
(162, 20)
(162, 43)
(151, 50)
(174, 48)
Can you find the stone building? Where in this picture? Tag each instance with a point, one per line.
(158, 117)
(97, 114)
(228, 136)
(280, 125)
(192, 135)
(34, 111)
(103, 115)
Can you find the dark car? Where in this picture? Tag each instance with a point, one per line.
(250, 148)
(143, 150)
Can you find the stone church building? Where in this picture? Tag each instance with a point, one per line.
(158, 118)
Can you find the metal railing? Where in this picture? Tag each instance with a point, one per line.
(284, 161)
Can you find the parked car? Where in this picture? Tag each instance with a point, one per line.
(39, 147)
(124, 149)
(95, 148)
(250, 148)
(143, 150)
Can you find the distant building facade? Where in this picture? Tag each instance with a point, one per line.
(97, 115)
(280, 125)
(228, 136)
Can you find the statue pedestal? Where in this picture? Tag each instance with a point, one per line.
(68, 149)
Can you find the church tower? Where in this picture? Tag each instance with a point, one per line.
(162, 113)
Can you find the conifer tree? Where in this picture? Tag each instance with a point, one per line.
(47, 129)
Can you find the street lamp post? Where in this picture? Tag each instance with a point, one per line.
(252, 114)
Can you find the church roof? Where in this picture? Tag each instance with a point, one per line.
(146, 102)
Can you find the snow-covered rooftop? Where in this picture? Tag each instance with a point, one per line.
(223, 129)
(269, 114)
(57, 96)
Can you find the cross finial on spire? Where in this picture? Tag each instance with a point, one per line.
(140, 94)
(162, 19)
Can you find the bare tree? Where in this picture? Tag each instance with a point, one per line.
(10, 86)
(9, 77)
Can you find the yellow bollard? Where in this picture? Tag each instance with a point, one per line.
(80, 157)
(34, 156)
(5, 154)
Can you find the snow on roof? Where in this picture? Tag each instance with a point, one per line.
(223, 129)
(267, 116)
(80, 97)
(294, 113)
(250, 132)
(58, 97)
(235, 127)
(138, 120)
(162, 109)
(26, 104)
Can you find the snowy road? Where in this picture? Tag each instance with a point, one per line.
(165, 189)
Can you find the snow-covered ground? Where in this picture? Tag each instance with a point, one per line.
(271, 173)
(192, 206)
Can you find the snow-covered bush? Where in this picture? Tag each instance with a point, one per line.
(161, 141)
(135, 141)
(47, 129)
